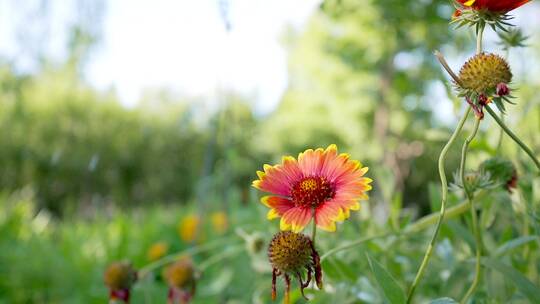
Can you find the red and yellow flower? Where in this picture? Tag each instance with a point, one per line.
(496, 6)
(321, 184)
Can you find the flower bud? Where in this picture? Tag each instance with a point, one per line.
(502, 89)
(180, 276)
(120, 277)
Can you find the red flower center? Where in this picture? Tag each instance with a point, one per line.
(312, 191)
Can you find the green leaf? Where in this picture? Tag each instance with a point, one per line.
(531, 291)
(338, 270)
(460, 231)
(443, 301)
(393, 293)
(512, 244)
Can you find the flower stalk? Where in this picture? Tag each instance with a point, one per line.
(314, 228)
(509, 132)
(444, 185)
(475, 227)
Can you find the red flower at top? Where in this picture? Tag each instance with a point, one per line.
(497, 6)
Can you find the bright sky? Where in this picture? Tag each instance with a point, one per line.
(180, 45)
(183, 45)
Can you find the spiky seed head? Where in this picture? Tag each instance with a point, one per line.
(290, 252)
(120, 275)
(483, 72)
(180, 274)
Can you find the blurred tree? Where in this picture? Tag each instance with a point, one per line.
(359, 76)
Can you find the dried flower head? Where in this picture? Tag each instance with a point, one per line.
(181, 278)
(321, 184)
(120, 277)
(292, 254)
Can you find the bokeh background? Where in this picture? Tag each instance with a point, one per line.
(126, 124)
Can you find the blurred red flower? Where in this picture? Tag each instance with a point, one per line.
(497, 6)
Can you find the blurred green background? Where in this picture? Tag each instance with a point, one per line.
(86, 179)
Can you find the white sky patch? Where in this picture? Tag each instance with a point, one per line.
(183, 46)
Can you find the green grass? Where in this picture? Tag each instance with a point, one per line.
(45, 260)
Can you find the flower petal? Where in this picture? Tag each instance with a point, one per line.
(280, 178)
(310, 162)
(326, 216)
(296, 219)
(278, 206)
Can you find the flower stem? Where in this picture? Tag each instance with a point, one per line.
(463, 163)
(478, 240)
(501, 135)
(480, 37)
(419, 225)
(173, 257)
(220, 257)
(470, 197)
(444, 185)
(313, 229)
(513, 136)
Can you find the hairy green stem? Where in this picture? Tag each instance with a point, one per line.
(480, 37)
(522, 145)
(444, 185)
(501, 135)
(470, 197)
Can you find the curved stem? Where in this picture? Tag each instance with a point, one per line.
(463, 163)
(522, 145)
(444, 185)
(470, 197)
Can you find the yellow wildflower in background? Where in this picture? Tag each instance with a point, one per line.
(188, 228)
(220, 222)
(157, 251)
